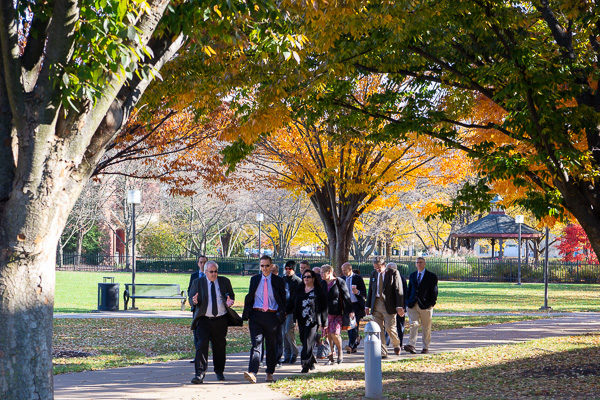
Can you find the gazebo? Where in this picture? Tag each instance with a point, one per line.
(496, 226)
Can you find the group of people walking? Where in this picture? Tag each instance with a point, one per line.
(318, 301)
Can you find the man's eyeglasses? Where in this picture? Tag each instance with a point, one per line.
(288, 268)
(265, 265)
(211, 272)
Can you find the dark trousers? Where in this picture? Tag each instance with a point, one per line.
(196, 340)
(353, 333)
(264, 326)
(280, 340)
(308, 337)
(400, 327)
(213, 330)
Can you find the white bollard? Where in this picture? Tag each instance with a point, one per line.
(373, 377)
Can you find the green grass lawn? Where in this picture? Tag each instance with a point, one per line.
(78, 292)
(551, 368)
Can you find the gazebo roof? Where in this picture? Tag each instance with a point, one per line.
(496, 225)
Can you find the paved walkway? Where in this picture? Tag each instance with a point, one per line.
(170, 380)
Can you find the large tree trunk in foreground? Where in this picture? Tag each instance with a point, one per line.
(27, 290)
(47, 153)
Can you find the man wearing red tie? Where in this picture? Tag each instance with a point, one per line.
(264, 309)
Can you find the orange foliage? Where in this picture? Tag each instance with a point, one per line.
(176, 149)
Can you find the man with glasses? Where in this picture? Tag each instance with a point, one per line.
(211, 295)
(264, 309)
(422, 296)
(292, 281)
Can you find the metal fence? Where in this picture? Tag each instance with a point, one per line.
(473, 269)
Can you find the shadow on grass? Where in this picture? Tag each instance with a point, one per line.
(572, 374)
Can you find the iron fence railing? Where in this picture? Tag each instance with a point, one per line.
(472, 269)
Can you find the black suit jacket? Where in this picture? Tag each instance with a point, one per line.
(292, 282)
(201, 287)
(195, 275)
(392, 294)
(278, 293)
(424, 294)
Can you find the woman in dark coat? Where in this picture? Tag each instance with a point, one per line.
(339, 307)
(310, 310)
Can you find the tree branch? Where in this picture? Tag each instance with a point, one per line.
(11, 68)
(561, 35)
(59, 48)
(126, 100)
(32, 58)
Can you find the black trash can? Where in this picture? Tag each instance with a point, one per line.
(108, 295)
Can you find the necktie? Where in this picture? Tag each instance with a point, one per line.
(265, 295)
(213, 297)
(380, 285)
(419, 277)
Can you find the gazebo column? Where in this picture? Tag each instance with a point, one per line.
(500, 248)
(493, 244)
(526, 251)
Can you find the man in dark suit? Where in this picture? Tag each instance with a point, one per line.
(422, 296)
(358, 294)
(264, 309)
(386, 298)
(201, 261)
(211, 295)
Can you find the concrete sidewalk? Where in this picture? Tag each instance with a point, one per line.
(171, 380)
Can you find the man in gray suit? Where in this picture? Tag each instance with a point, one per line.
(385, 299)
(211, 295)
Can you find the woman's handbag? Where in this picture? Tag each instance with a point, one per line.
(348, 322)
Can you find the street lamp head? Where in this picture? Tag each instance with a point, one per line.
(519, 219)
(134, 196)
(260, 217)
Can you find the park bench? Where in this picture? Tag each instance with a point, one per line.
(250, 269)
(154, 291)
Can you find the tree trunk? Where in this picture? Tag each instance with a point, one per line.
(31, 227)
(226, 241)
(340, 240)
(79, 245)
(584, 204)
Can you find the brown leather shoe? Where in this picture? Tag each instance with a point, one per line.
(269, 378)
(410, 349)
(397, 350)
(425, 351)
(250, 377)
